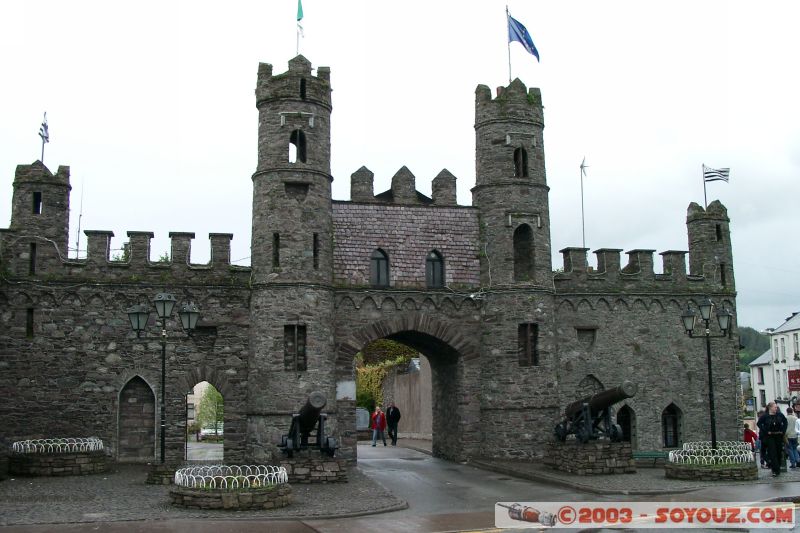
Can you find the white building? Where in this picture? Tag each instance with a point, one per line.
(769, 373)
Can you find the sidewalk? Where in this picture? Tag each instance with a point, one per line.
(645, 483)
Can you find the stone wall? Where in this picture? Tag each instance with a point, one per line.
(58, 464)
(66, 378)
(232, 500)
(411, 392)
(312, 467)
(592, 458)
(734, 472)
(407, 234)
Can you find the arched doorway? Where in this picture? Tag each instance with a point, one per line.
(137, 422)
(205, 423)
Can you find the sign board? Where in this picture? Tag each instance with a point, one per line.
(794, 380)
(362, 419)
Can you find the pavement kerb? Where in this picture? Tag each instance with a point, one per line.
(555, 480)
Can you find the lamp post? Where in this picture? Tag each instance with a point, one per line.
(689, 318)
(139, 315)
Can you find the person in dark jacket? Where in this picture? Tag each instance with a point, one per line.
(392, 418)
(773, 426)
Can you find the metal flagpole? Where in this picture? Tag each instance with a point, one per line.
(703, 176)
(583, 225)
(509, 47)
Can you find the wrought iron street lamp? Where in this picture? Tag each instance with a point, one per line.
(139, 315)
(689, 318)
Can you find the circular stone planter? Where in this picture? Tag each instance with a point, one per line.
(697, 461)
(58, 457)
(231, 487)
(695, 472)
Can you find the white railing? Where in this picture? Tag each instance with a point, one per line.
(67, 445)
(701, 453)
(230, 476)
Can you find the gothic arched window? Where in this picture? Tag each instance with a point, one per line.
(434, 270)
(379, 269)
(520, 163)
(523, 253)
(297, 147)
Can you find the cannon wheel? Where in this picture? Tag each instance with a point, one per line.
(616, 433)
(561, 431)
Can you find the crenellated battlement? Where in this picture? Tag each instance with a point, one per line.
(610, 274)
(404, 190)
(316, 89)
(100, 266)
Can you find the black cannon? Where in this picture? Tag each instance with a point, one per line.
(590, 417)
(303, 424)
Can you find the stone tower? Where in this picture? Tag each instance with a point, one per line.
(710, 252)
(40, 216)
(511, 194)
(511, 189)
(292, 300)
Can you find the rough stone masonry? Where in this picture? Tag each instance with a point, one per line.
(510, 339)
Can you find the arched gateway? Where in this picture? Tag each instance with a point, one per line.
(454, 361)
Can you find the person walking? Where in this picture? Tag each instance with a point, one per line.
(378, 426)
(750, 436)
(773, 426)
(392, 418)
(791, 438)
(762, 446)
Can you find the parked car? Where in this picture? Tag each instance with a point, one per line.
(210, 432)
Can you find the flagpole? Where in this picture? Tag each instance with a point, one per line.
(583, 225)
(703, 177)
(509, 47)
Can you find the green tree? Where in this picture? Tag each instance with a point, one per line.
(211, 411)
(372, 366)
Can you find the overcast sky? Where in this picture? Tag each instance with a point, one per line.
(151, 104)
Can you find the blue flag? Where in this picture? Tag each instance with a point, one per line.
(517, 32)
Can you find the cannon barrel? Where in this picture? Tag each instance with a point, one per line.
(603, 399)
(309, 413)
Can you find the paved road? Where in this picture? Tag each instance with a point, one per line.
(442, 496)
(205, 451)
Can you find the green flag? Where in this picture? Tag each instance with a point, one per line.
(299, 10)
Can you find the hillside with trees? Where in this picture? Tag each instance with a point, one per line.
(751, 345)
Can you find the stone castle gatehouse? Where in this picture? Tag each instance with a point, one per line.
(510, 340)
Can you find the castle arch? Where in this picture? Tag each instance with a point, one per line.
(389, 304)
(566, 305)
(523, 253)
(603, 305)
(453, 397)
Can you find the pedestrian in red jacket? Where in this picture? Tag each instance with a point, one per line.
(378, 426)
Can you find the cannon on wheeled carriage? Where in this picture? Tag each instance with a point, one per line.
(303, 424)
(590, 417)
